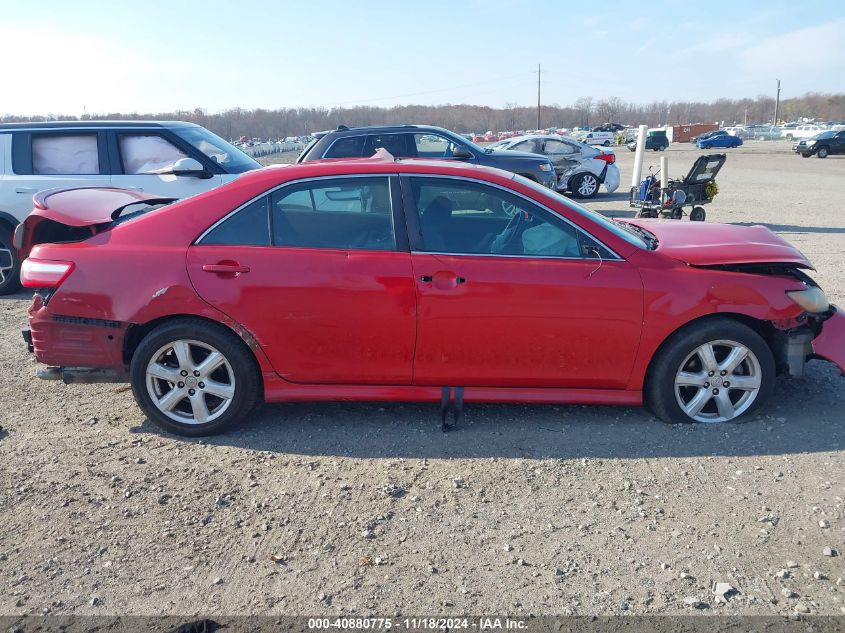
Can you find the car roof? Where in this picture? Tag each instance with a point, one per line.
(404, 127)
(381, 163)
(59, 125)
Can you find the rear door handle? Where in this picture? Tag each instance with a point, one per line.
(26, 190)
(225, 268)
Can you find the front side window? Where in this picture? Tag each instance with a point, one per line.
(65, 154)
(434, 146)
(464, 217)
(337, 213)
(528, 145)
(147, 153)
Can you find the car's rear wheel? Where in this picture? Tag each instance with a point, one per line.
(606, 143)
(194, 378)
(10, 265)
(584, 185)
(822, 152)
(713, 371)
(805, 155)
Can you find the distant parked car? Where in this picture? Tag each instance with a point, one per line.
(802, 131)
(706, 135)
(425, 141)
(655, 140)
(762, 133)
(721, 140)
(166, 158)
(822, 145)
(598, 138)
(580, 168)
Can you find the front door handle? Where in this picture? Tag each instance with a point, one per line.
(426, 279)
(225, 268)
(443, 280)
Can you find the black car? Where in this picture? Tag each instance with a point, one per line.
(424, 141)
(656, 140)
(609, 127)
(822, 145)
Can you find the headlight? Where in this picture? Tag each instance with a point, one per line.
(812, 299)
(546, 167)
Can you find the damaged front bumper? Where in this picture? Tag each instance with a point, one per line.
(829, 345)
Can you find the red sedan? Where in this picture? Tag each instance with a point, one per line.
(383, 279)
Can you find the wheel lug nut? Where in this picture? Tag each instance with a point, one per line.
(191, 392)
(196, 373)
(715, 392)
(183, 372)
(201, 385)
(706, 384)
(726, 384)
(711, 373)
(723, 372)
(180, 384)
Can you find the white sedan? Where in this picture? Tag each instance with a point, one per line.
(581, 169)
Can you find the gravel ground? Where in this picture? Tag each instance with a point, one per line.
(369, 508)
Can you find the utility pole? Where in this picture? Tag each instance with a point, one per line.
(777, 104)
(538, 96)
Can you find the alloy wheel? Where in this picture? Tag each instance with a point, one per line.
(718, 381)
(190, 382)
(7, 265)
(588, 185)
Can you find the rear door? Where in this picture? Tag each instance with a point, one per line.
(135, 154)
(318, 274)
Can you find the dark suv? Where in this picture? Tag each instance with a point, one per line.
(425, 141)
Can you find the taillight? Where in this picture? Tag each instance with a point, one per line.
(44, 273)
(608, 158)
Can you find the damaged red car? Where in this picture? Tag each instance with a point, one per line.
(383, 279)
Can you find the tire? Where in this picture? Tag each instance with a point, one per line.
(684, 386)
(663, 148)
(822, 152)
(698, 214)
(10, 275)
(235, 378)
(584, 185)
(805, 155)
(789, 137)
(677, 214)
(606, 143)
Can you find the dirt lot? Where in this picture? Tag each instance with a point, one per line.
(369, 508)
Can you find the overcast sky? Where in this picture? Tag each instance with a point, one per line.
(73, 57)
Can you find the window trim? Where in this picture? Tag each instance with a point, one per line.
(415, 232)
(400, 237)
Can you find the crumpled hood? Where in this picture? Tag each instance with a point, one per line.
(710, 244)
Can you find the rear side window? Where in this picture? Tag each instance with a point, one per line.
(338, 213)
(65, 154)
(248, 227)
(396, 144)
(349, 147)
(145, 153)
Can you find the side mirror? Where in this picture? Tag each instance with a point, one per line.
(189, 167)
(462, 153)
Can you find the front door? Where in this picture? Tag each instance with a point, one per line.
(515, 299)
(317, 273)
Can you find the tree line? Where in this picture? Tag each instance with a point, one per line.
(584, 112)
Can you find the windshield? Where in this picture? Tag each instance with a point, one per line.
(233, 160)
(824, 135)
(623, 230)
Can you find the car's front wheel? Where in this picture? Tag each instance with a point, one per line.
(10, 265)
(194, 378)
(716, 370)
(584, 185)
(822, 152)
